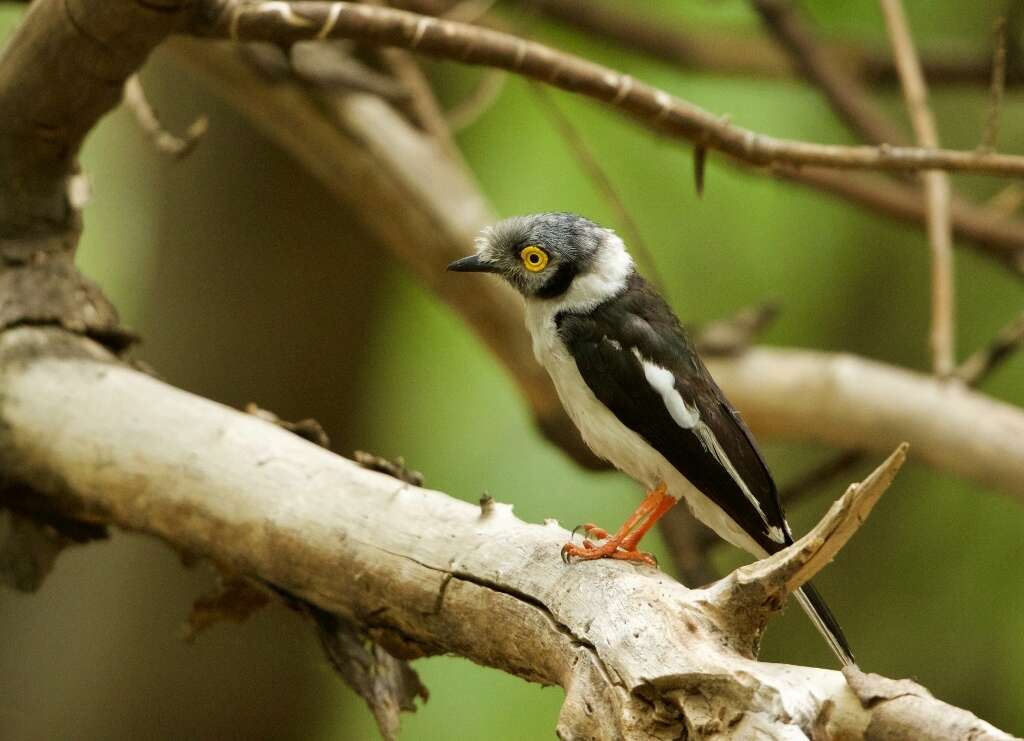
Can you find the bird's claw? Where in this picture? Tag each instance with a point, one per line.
(591, 552)
(590, 530)
(566, 559)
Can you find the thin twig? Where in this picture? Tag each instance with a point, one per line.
(597, 175)
(996, 88)
(936, 184)
(290, 22)
(164, 141)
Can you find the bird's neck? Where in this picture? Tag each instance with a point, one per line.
(607, 277)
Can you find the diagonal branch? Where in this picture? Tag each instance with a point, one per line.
(657, 109)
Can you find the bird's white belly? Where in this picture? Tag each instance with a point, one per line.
(611, 440)
(601, 429)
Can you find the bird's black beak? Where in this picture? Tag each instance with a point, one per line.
(472, 264)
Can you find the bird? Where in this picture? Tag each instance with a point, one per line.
(633, 384)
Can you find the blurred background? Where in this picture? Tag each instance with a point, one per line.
(248, 282)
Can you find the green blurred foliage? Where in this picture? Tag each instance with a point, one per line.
(930, 588)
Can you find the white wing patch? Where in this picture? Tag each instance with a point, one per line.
(663, 381)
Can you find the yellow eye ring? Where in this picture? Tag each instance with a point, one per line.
(534, 258)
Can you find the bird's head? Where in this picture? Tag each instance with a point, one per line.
(551, 256)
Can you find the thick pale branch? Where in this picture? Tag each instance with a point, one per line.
(420, 572)
(853, 402)
(300, 21)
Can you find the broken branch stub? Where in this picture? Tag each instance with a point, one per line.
(756, 590)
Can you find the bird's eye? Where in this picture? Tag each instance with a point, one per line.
(534, 258)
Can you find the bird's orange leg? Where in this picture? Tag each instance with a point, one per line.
(623, 544)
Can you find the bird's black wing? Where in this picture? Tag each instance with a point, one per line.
(624, 343)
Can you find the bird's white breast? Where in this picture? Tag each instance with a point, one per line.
(601, 429)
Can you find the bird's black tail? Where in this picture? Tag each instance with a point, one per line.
(825, 622)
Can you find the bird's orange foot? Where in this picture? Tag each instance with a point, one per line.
(622, 545)
(610, 548)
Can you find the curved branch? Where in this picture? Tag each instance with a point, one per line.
(853, 402)
(434, 574)
(303, 21)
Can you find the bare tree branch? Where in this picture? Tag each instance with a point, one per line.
(852, 402)
(973, 372)
(660, 111)
(435, 574)
(993, 231)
